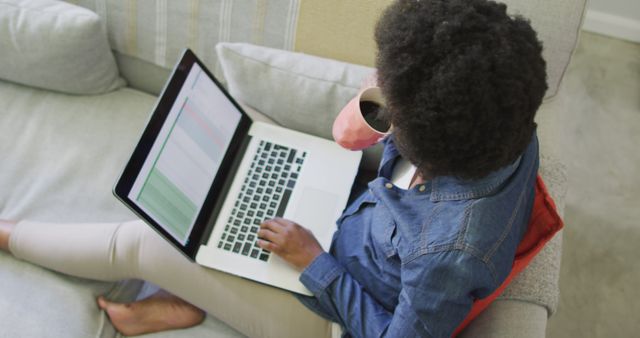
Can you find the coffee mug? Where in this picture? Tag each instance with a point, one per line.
(359, 124)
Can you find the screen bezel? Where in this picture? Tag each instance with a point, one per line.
(158, 117)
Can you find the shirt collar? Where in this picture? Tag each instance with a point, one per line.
(449, 188)
(389, 156)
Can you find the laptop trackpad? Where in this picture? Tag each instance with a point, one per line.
(317, 212)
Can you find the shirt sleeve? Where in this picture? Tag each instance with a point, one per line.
(438, 290)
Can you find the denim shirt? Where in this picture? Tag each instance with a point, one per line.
(410, 263)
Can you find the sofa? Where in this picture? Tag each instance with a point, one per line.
(79, 78)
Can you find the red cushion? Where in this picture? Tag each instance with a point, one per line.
(544, 224)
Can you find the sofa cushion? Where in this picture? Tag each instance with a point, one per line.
(61, 155)
(39, 303)
(299, 91)
(157, 31)
(57, 46)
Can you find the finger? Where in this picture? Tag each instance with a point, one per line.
(270, 236)
(281, 225)
(273, 225)
(284, 222)
(269, 246)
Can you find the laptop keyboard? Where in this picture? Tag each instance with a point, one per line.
(264, 194)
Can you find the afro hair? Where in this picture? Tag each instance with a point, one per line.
(462, 80)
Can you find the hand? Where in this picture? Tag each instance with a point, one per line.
(292, 242)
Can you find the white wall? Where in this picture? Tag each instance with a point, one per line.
(629, 9)
(616, 18)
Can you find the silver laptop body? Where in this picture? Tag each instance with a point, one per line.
(204, 176)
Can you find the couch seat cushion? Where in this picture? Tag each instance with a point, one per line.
(60, 157)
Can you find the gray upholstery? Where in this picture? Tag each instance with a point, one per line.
(558, 26)
(142, 75)
(56, 46)
(157, 31)
(64, 154)
(508, 319)
(76, 148)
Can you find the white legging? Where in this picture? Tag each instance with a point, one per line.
(116, 251)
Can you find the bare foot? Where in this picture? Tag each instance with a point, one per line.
(5, 232)
(160, 312)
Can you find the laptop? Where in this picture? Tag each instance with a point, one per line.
(204, 176)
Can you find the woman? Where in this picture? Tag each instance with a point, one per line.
(462, 82)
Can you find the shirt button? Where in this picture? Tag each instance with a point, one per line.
(388, 185)
(422, 188)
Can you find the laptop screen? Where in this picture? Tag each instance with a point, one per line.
(183, 161)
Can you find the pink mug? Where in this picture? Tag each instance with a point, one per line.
(358, 125)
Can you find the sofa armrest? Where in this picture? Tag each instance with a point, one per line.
(509, 318)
